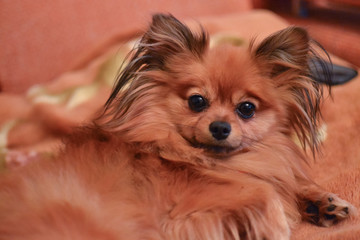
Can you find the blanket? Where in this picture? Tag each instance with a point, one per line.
(32, 124)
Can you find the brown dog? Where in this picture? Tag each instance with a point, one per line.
(195, 143)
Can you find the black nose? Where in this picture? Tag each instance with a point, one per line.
(220, 130)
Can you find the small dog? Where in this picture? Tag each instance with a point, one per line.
(194, 143)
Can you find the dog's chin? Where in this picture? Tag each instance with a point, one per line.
(215, 150)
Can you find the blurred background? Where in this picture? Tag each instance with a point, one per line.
(41, 39)
(333, 23)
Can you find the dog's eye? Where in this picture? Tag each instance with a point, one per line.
(197, 103)
(246, 110)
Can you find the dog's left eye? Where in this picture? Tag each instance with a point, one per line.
(246, 110)
(197, 103)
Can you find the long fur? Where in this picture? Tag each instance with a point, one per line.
(149, 168)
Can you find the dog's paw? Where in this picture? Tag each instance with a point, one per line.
(327, 211)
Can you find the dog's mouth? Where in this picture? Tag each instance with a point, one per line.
(214, 149)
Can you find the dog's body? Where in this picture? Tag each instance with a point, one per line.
(88, 193)
(195, 143)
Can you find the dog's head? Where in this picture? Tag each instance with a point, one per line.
(176, 90)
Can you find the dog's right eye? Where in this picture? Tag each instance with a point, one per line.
(197, 103)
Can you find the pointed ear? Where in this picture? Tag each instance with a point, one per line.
(167, 36)
(285, 57)
(286, 49)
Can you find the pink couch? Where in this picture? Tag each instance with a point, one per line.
(41, 39)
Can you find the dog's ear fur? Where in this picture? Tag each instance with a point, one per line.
(285, 57)
(288, 48)
(165, 38)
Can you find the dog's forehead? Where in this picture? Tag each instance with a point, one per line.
(231, 71)
(225, 72)
(229, 63)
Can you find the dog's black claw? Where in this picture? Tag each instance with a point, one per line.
(312, 208)
(329, 216)
(331, 208)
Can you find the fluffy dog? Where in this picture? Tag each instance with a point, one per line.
(194, 143)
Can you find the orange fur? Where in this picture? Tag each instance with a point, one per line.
(151, 168)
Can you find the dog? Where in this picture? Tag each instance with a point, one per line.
(194, 143)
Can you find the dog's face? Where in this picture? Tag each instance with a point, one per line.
(220, 100)
(222, 103)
